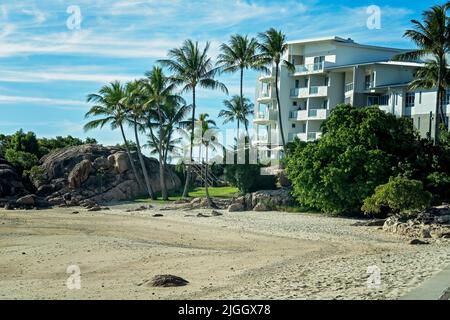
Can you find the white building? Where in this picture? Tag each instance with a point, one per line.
(331, 71)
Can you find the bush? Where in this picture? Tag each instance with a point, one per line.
(360, 150)
(21, 160)
(396, 196)
(248, 178)
(439, 185)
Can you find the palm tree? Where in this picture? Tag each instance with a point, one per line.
(135, 110)
(272, 48)
(238, 55)
(205, 125)
(192, 68)
(432, 37)
(237, 110)
(208, 139)
(108, 105)
(157, 91)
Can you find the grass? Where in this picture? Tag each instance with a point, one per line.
(215, 192)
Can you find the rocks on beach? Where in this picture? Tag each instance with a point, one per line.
(95, 173)
(168, 280)
(264, 200)
(431, 223)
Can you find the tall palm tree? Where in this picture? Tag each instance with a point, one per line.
(237, 110)
(192, 68)
(135, 111)
(207, 137)
(158, 91)
(108, 105)
(238, 55)
(272, 48)
(432, 37)
(204, 124)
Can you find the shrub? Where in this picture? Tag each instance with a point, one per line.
(396, 196)
(439, 185)
(248, 178)
(21, 160)
(359, 150)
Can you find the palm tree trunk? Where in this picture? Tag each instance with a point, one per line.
(189, 169)
(162, 169)
(127, 149)
(141, 160)
(280, 122)
(238, 136)
(211, 204)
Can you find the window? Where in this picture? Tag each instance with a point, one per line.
(373, 100)
(306, 82)
(384, 100)
(410, 99)
(325, 104)
(347, 100)
(297, 84)
(293, 126)
(327, 81)
(420, 98)
(294, 103)
(368, 81)
(318, 63)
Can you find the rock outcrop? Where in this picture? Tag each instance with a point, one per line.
(431, 223)
(10, 181)
(264, 200)
(96, 173)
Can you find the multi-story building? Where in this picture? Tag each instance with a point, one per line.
(331, 71)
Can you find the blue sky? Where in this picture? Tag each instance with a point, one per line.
(47, 69)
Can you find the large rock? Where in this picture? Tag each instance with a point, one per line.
(10, 181)
(28, 200)
(101, 174)
(79, 174)
(271, 199)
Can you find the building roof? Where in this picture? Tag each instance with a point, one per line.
(388, 62)
(345, 41)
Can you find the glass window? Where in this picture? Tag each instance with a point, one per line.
(384, 100)
(372, 100)
(410, 99)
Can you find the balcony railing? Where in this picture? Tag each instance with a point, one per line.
(314, 90)
(264, 94)
(312, 113)
(312, 136)
(369, 84)
(306, 68)
(293, 115)
(262, 116)
(349, 87)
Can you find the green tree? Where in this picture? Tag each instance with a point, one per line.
(238, 111)
(238, 55)
(109, 107)
(397, 196)
(158, 92)
(272, 47)
(192, 68)
(432, 37)
(360, 150)
(136, 113)
(21, 160)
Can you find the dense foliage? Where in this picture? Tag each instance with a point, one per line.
(399, 194)
(24, 150)
(361, 149)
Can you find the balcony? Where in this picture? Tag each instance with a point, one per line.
(300, 135)
(348, 87)
(299, 93)
(300, 115)
(369, 85)
(265, 95)
(312, 136)
(318, 91)
(270, 115)
(318, 114)
(309, 68)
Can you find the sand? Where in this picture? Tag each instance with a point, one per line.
(244, 255)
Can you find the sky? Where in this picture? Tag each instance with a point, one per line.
(50, 60)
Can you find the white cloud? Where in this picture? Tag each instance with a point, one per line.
(65, 104)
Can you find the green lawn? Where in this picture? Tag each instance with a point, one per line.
(216, 192)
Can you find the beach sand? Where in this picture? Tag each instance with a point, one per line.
(243, 255)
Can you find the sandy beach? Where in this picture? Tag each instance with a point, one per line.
(244, 255)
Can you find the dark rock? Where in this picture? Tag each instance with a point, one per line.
(417, 242)
(370, 223)
(28, 200)
(9, 206)
(97, 173)
(261, 207)
(95, 208)
(168, 280)
(236, 207)
(216, 213)
(10, 181)
(157, 215)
